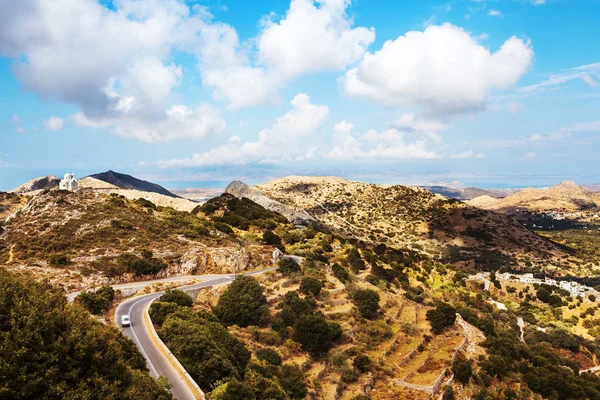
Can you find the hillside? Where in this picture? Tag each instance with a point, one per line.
(468, 193)
(38, 184)
(124, 181)
(83, 239)
(566, 196)
(54, 350)
(414, 218)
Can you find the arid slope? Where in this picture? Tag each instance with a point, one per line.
(411, 217)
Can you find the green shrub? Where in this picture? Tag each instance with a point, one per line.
(97, 302)
(310, 285)
(243, 303)
(440, 318)
(288, 266)
(462, 370)
(291, 379)
(315, 334)
(362, 363)
(178, 297)
(222, 227)
(160, 311)
(272, 239)
(269, 355)
(340, 273)
(367, 302)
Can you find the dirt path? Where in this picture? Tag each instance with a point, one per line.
(11, 255)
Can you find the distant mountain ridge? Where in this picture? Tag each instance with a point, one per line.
(469, 193)
(125, 181)
(564, 196)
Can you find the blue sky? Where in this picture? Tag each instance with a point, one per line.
(466, 92)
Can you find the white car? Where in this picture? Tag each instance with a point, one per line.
(125, 321)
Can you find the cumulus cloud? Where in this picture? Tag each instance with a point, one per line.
(389, 144)
(495, 13)
(442, 69)
(311, 37)
(54, 124)
(112, 63)
(285, 140)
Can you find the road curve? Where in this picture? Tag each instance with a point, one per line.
(158, 363)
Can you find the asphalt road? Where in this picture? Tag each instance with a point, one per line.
(158, 364)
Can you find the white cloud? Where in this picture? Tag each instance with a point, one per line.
(112, 63)
(286, 139)
(531, 155)
(495, 13)
(16, 119)
(386, 145)
(54, 124)
(20, 129)
(442, 69)
(312, 37)
(588, 74)
(178, 122)
(468, 154)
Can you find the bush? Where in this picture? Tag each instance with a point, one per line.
(440, 318)
(315, 334)
(97, 302)
(310, 285)
(272, 239)
(355, 261)
(367, 302)
(362, 363)
(291, 379)
(237, 390)
(223, 227)
(288, 266)
(340, 273)
(160, 311)
(58, 260)
(178, 297)
(462, 370)
(269, 355)
(243, 303)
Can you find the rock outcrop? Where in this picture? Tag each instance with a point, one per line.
(297, 217)
(37, 185)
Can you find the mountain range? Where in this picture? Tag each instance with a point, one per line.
(566, 196)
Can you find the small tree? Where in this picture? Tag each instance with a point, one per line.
(243, 303)
(288, 266)
(97, 302)
(441, 317)
(592, 298)
(310, 285)
(315, 334)
(340, 273)
(362, 363)
(367, 302)
(462, 370)
(178, 297)
(269, 355)
(272, 239)
(291, 379)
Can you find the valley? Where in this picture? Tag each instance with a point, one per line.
(369, 291)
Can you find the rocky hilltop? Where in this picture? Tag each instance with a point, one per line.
(566, 196)
(412, 217)
(37, 185)
(242, 190)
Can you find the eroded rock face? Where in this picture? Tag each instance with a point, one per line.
(297, 217)
(207, 260)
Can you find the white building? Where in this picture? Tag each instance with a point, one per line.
(69, 182)
(527, 278)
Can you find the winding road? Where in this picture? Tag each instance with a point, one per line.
(158, 363)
